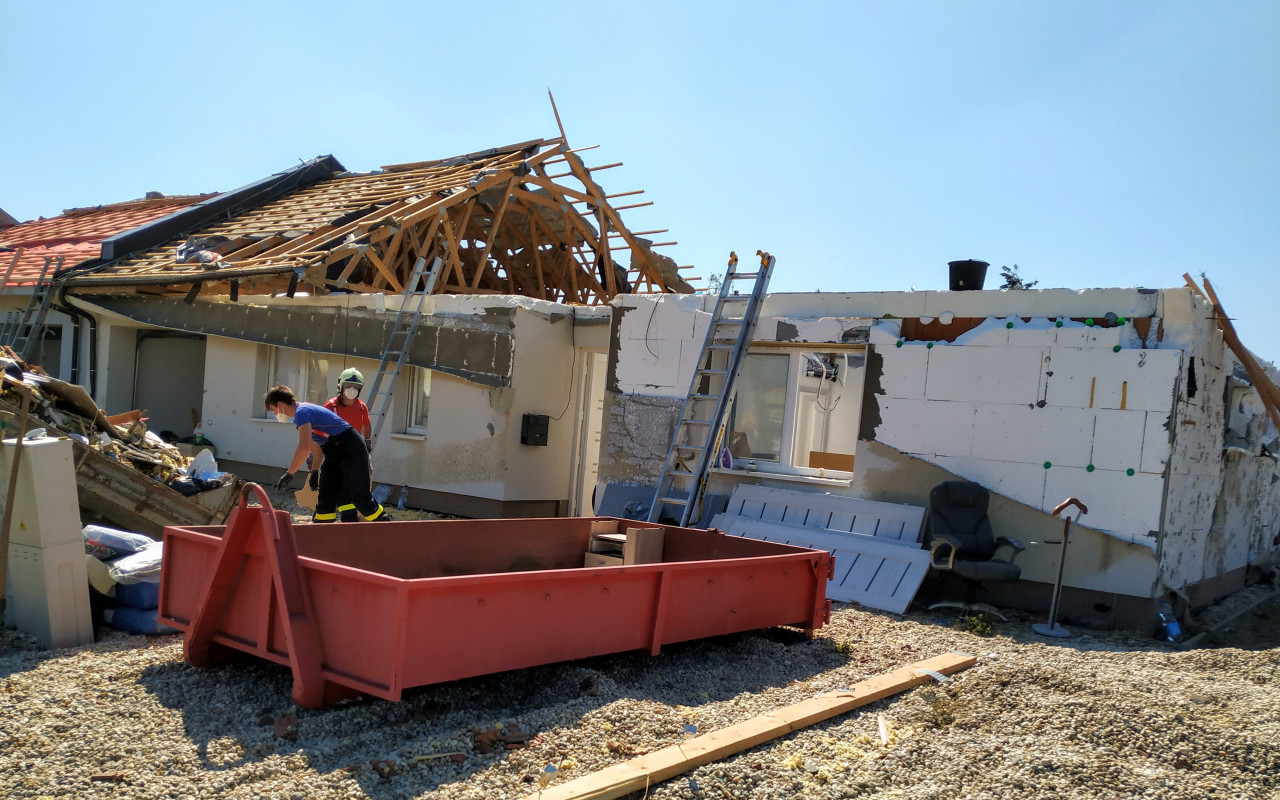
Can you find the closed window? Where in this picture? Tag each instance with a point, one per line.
(419, 400)
(307, 374)
(797, 411)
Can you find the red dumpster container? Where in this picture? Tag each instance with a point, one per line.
(376, 608)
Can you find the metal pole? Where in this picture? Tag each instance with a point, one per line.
(1052, 628)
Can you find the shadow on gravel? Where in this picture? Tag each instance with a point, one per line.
(442, 734)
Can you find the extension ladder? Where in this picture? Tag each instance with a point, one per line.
(402, 331)
(20, 334)
(700, 428)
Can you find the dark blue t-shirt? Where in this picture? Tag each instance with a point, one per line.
(324, 423)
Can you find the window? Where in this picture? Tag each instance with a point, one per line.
(797, 411)
(306, 373)
(419, 400)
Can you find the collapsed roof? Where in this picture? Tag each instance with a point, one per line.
(498, 219)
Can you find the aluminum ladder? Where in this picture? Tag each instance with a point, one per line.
(700, 428)
(27, 329)
(402, 331)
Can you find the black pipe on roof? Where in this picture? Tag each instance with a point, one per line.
(188, 220)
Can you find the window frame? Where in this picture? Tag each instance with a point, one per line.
(416, 377)
(305, 376)
(795, 368)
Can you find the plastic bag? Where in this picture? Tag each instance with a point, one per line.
(138, 595)
(144, 565)
(108, 543)
(135, 620)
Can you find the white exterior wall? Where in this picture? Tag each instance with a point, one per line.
(472, 442)
(1004, 398)
(998, 406)
(658, 342)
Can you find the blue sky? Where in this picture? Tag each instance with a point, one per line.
(864, 144)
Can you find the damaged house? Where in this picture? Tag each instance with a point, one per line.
(552, 346)
(1127, 399)
(495, 267)
(31, 253)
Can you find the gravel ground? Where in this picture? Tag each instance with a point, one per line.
(1094, 716)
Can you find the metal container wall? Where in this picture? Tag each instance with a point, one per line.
(403, 604)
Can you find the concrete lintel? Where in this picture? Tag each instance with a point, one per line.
(479, 351)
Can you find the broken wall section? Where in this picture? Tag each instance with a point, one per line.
(1038, 411)
(1224, 485)
(653, 352)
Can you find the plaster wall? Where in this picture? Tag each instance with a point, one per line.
(116, 352)
(995, 406)
(472, 442)
(1191, 542)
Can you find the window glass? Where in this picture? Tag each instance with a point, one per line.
(760, 407)
(419, 399)
(319, 389)
(307, 374)
(797, 411)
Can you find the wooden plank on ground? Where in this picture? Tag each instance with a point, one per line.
(641, 773)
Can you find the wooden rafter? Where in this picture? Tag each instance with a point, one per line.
(1266, 388)
(364, 232)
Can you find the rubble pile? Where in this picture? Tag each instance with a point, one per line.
(68, 409)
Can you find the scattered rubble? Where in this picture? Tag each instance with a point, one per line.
(1101, 715)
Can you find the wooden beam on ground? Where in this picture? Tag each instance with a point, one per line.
(639, 774)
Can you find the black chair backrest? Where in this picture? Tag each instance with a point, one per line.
(959, 509)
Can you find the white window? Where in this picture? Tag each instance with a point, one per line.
(797, 412)
(307, 374)
(419, 401)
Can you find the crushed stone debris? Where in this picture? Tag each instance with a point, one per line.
(1100, 715)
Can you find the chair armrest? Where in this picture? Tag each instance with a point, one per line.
(945, 547)
(1009, 541)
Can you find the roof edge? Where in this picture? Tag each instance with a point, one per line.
(220, 206)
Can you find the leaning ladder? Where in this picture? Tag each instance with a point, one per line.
(398, 342)
(699, 430)
(27, 329)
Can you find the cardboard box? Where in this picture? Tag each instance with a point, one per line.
(601, 560)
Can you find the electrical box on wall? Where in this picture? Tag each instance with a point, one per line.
(533, 429)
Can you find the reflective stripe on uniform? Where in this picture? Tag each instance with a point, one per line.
(347, 507)
(325, 517)
(375, 514)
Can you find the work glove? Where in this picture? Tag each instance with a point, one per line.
(283, 482)
(313, 480)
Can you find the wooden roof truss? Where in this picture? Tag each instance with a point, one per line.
(502, 221)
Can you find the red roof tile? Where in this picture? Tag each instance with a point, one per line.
(75, 235)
